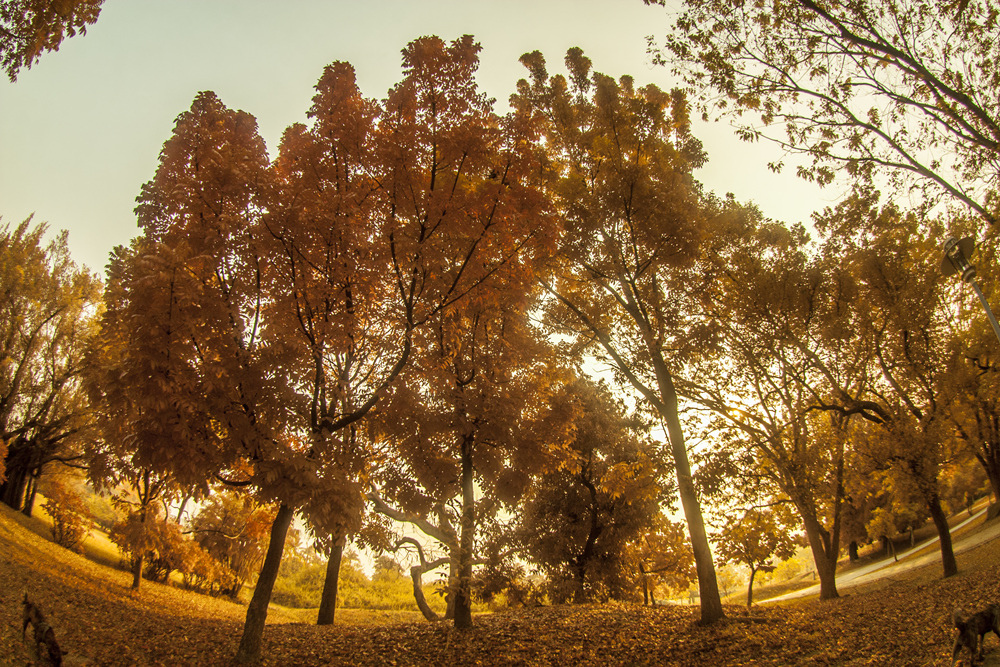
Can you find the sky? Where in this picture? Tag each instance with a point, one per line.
(81, 131)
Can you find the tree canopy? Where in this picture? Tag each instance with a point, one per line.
(902, 89)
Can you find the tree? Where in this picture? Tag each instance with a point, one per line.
(381, 228)
(29, 28)
(620, 161)
(579, 520)
(47, 314)
(233, 529)
(899, 89)
(972, 371)
(755, 540)
(475, 411)
(795, 368)
(71, 522)
(265, 310)
(194, 388)
(663, 556)
(900, 302)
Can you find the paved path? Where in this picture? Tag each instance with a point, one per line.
(906, 560)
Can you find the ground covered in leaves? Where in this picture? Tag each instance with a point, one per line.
(905, 621)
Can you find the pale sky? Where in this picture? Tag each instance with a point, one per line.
(82, 129)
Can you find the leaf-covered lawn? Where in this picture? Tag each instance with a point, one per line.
(97, 618)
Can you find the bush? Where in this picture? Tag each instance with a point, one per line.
(71, 522)
(202, 573)
(158, 542)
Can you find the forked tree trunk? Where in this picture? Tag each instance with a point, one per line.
(753, 573)
(328, 603)
(253, 629)
(944, 534)
(463, 597)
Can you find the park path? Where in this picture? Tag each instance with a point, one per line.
(908, 560)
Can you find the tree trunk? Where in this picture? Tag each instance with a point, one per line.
(463, 599)
(416, 574)
(753, 573)
(645, 586)
(13, 489)
(253, 628)
(452, 589)
(708, 587)
(944, 534)
(140, 551)
(852, 550)
(826, 563)
(30, 493)
(137, 563)
(994, 476)
(583, 559)
(328, 603)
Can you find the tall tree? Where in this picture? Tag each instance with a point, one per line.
(267, 307)
(900, 88)
(781, 327)
(973, 371)
(29, 28)
(475, 413)
(48, 307)
(620, 160)
(901, 303)
(198, 391)
(382, 228)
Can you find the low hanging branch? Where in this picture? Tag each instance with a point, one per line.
(418, 571)
(416, 574)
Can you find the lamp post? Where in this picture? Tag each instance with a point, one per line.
(956, 260)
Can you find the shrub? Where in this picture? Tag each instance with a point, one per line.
(156, 541)
(71, 522)
(202, 573)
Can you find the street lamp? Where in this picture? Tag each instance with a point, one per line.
(956, 260)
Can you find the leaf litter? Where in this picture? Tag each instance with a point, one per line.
(100, 621)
